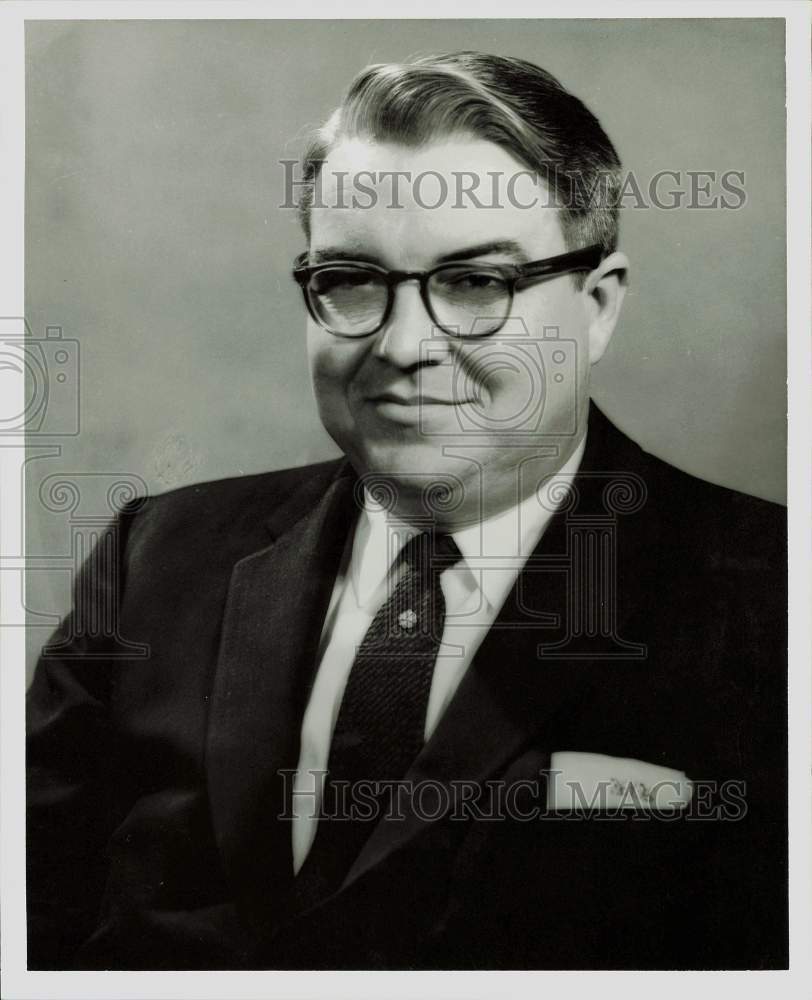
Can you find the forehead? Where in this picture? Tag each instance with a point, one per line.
(408, 206)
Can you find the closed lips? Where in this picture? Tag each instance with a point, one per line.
(417, 400)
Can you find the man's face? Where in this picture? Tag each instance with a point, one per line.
(413, 404)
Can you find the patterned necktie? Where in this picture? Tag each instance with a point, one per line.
(380, 724)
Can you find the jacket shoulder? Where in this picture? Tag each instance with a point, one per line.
(267, 488)
(223, 518)
(744, 531)
(694, 512)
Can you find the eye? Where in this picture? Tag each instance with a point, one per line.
(340, 278)
(474, 280)
(477, 281)
(468, 284)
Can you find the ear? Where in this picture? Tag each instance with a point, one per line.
(605, 289)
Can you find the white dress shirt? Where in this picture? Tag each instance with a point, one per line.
(493, 554)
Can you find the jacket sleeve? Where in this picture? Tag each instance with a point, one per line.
(70, 759)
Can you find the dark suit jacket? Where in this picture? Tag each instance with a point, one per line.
(155, 786)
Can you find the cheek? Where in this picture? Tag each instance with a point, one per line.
(333, 364)
(533, 377)
(507, 373)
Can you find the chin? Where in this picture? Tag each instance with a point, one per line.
(409, 463)
(414, 479)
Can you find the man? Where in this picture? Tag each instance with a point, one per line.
(499, 690)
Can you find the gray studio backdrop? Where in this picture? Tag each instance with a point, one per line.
(154, 240)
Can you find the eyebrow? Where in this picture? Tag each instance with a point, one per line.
(508, 247)
(339, 253)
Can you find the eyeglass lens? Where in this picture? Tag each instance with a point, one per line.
(352, 301)
(348, 300)
(460, 296)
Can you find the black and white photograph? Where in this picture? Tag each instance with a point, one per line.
(406, 500)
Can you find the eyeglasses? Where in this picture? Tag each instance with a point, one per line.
(355, 299)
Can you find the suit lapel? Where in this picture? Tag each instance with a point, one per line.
(276, 602)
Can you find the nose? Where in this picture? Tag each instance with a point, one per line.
(407, 334)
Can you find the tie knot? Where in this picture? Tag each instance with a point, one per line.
(431, 550)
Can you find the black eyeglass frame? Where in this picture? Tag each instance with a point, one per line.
(585, 259)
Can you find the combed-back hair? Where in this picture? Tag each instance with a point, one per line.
(507, 101)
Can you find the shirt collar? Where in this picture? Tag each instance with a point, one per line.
(512, 535)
